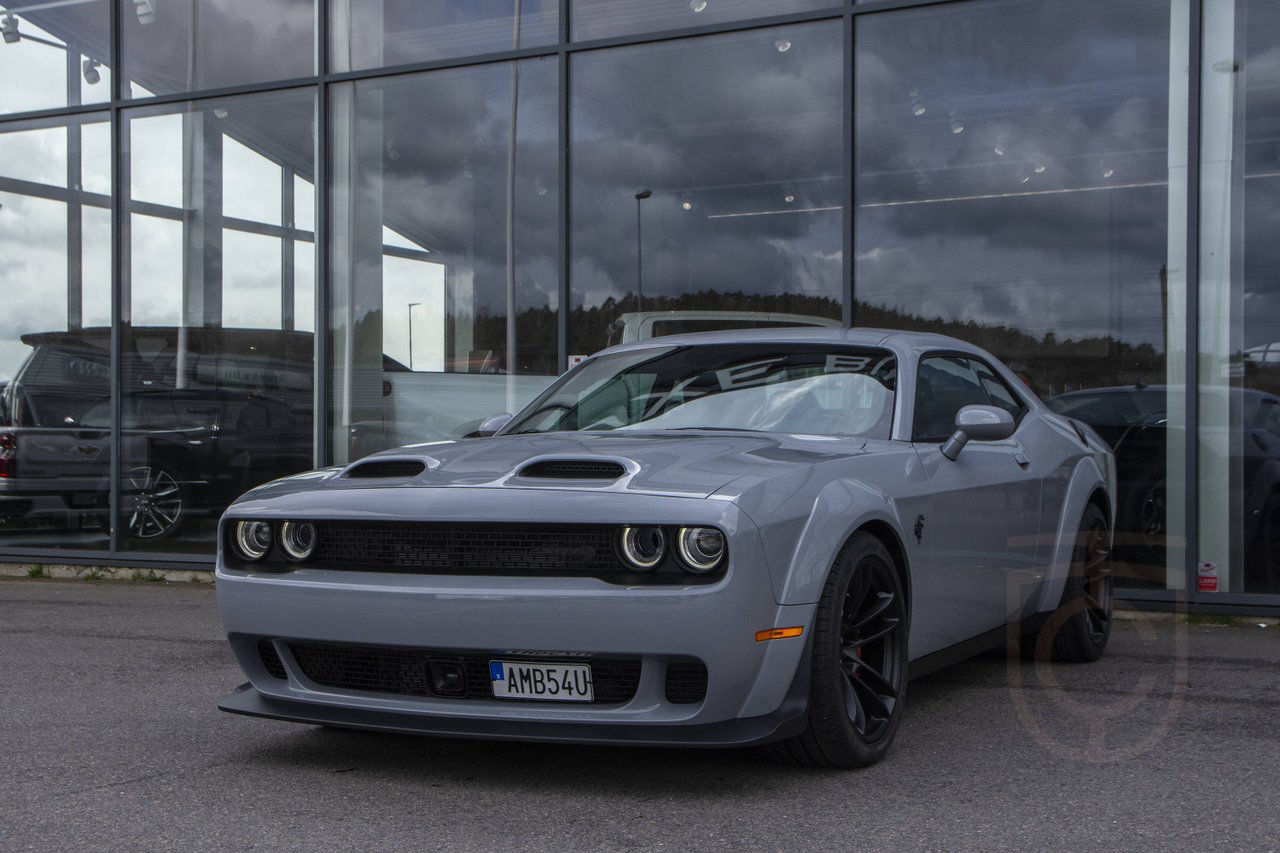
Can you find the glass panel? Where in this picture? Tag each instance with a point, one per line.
(445, 283)
(375, 33)
(53, 54)
(1015, 189)
(208, 44)
(706, 182)
(601, 18)
(751, 387)
(1239, 447)
(217, 379)
(55, 340)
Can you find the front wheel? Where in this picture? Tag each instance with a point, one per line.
(859, 663)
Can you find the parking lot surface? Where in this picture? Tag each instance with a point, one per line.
(111, 740)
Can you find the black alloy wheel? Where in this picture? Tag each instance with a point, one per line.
(859, 662)
(1082, 624)
(155, 502)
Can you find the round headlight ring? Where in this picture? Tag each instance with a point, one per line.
(252, 539)
(701, 549)
(643, 547)
(298, 539)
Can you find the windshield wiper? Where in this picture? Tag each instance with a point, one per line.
(709, 429)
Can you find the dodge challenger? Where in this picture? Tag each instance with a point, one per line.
(719, 539)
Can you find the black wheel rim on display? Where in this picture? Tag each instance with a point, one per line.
(156, 502)
(871, 660)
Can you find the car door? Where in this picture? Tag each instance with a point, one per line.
(980, 536)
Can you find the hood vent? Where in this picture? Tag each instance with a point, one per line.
(573, 469)
(387, 469)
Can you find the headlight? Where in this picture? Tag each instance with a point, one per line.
(297, 539)
(252, 539)
(701, 548)
(643, 547)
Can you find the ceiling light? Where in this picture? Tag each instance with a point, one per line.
(9, 28)
(998, 150)
(1024, 179)
(1040, 167)
(146, 11)
(687, 205)
(220, 113)
(957, 126)
(697, 5)
(90, 70)
(789, 198)
(917, 104)
(542, 190)
(783, 45)
(1108, 173)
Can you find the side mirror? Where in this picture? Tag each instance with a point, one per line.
(492, 424)
(979, 423)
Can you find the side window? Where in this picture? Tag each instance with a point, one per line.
(945, 384)
(1001, 394)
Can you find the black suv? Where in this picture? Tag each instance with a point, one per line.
(204, 417)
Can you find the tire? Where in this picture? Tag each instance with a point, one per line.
(1080, 628)
(858, 663)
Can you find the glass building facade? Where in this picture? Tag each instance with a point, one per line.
(242, 240)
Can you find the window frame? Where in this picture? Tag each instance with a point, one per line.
(1024, 406)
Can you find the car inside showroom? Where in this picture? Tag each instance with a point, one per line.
(245, 240)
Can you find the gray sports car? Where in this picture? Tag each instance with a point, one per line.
(718, 539)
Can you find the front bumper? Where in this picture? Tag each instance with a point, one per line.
(755, 691)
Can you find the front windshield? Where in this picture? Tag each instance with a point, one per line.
(793, 388)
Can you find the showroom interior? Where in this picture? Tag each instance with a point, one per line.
(245, 240)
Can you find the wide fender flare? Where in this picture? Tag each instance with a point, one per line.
(1086, 478)
(839, 510)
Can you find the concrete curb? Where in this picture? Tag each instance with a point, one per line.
(102, 573)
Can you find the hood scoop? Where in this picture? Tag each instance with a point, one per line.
(386, 469)
(572, 469)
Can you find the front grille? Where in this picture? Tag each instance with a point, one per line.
(271, 660)
(388, 469)
(573, 469)
(686, 682)
(377, 669)
(477, 548)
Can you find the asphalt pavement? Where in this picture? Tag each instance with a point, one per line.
(110, 739)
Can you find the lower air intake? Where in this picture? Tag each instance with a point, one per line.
(686, 682)
(407, 672)
(271, 660)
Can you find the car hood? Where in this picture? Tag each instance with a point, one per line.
(693, 464)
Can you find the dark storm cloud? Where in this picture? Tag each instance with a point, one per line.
(1012, 165)
(731, 126)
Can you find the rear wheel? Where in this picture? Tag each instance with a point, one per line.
(859, 662)
(1080, 628)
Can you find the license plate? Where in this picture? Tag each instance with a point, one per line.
(557, 682)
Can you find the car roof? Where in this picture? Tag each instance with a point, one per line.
(893, 339)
